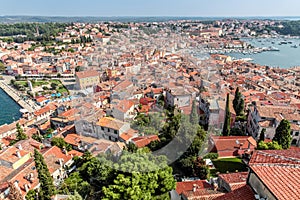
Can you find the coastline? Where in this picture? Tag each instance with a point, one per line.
(11, 93)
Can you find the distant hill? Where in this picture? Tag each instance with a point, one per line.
(44, 19)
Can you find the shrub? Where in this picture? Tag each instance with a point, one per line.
(211, 156)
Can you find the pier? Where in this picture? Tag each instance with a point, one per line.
(12, 93)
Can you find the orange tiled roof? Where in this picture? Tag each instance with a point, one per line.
(143, 141)
(230, 142)
(245, 193)
(73, 139)
(189, 185)
(279, 170)
(110, 122)
(86, 74)
(235, 180)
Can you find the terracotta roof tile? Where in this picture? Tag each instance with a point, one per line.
(86, 74)
(244, 193)
(143, 141)
(282, 181)
(189, 185)
(279, 170)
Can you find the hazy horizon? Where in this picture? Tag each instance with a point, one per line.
(140, 8)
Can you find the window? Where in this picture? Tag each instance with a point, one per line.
(102, 128)
(115, 132)
(297, 134)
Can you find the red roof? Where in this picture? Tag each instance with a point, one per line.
(73, 139)
(230, 145)
(144, 140)
(282, 180)
(279, 170)
(290, 156)
(244, 193)
(86, 74)
(235, 180)
(189, 185)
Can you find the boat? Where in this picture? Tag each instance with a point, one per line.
(273, 49)
(283, 42)
(294, 46)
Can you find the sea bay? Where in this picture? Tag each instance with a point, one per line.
(286, 57)
(9, 109)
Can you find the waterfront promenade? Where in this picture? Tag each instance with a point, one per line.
(12, 93)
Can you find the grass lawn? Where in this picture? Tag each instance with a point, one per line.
(23, 83)
(60, 87)
(224, 165)
(34, 83)
(39, 83)
(55, 81)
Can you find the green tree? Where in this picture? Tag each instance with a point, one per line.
(131, 147)
(262, 135)
(194, 117)
(75, 183)
(2, 67)
(53, 86)
(238, 103)
(140, 176)
(268, 146)
(20, 133)
(201, 169)
(31, 195)
(49, 131)
(37, 137)
(283, 134)
(60, 142)
(47, 188)
(76, 196)
(226, 126)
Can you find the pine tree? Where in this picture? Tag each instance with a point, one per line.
(47, 188)
(283, 134)
(226, 126)
(238, 103)
(194, 118)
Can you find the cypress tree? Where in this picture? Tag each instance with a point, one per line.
(47, 188)
(226, 126)
(262, 135)
(283, 134)
(238, 103)
(20, 133)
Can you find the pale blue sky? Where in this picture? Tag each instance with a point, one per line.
(151, 7)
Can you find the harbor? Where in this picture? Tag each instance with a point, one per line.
(284, 54)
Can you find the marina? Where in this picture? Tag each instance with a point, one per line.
(282, 53)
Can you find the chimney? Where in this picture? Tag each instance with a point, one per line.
(61, 162)
(18, 154)
(194, 187)
(20, 147)
(215, 185)
(17, 186)
(26, 187)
